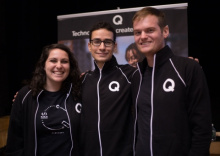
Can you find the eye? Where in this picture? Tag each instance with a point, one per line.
(97, 41)
(64, 61)
(53, 60)
(137, 33)
(108, 42)
(150, 30)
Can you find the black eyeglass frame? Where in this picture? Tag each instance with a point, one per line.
(105, 41)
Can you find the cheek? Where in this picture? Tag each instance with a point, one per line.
(67, 68)
(91, 50)
(136, 39)
(47, 67)
(47, 71)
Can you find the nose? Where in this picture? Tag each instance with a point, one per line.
(130, 61)
(102, 45)
(143, 34)
(59, 65)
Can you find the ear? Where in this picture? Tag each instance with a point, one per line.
(89, 46)
(166, 31)
(115, 47)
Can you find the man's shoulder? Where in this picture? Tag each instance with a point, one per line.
(127, 69)
(185, 62)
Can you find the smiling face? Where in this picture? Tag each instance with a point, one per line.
(101, 53)
(148, 35)
(132, 57)
(57, 67)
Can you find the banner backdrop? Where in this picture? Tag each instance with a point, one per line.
(73, 31)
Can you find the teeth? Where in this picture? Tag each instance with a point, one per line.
(145, 43)
(58, 73)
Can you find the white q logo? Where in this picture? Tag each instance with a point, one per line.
(116, 88)
(117, 20)
(169, 85)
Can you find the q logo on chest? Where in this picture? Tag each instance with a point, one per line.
(114, 86)
(169, 85)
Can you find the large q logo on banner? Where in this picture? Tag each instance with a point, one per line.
(117, 20)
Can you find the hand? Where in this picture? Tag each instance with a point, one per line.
(196, 59)
(15, 97)
(82, 74)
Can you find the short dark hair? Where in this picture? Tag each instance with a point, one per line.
(102, 25)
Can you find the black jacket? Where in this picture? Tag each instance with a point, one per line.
(22, 131)
(107, 124)
(180, 106)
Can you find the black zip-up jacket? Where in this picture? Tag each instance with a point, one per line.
(107, 123)
(180, 120)
(22, 133)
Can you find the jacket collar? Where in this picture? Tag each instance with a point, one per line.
(108, 64)
(161, 57)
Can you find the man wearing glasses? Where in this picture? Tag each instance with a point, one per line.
(106, 98)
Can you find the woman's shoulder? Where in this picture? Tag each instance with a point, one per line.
(24, 89)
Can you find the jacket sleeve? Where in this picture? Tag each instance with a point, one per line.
(15, 140)
(199, 109)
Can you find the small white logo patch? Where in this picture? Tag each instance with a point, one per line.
(116, 88)
(169, 85)
(78, 107)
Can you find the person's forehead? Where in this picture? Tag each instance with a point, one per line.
(102, 34)
(130, 53)
(149, 21)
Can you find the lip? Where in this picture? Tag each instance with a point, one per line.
(102, 54)
(145, 43)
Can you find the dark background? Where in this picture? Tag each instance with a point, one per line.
(28, 25)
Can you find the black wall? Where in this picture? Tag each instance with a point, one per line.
(27, 25)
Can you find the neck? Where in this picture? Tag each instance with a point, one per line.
(100, 64)
(150, 60)
(52, 87)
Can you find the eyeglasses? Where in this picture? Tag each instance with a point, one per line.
(107, 43)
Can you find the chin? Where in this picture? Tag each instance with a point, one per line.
(103, 59)
(59, 80)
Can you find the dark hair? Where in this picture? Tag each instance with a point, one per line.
(133, 48)
(102, 25)
(39, 76)
(151, 11)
